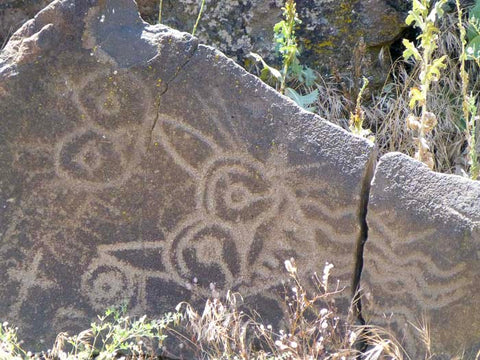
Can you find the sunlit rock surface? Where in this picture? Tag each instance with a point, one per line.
(138, 167)
(422, 257)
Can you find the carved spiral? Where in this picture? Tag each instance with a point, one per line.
(236, 190)
(107, 285)
(206, 254)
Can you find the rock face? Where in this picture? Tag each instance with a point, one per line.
(421, 260)
(139, 167)
(14, 13)
(334, 33)
(329, 33)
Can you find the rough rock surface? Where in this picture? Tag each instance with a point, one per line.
(14, 13)
(422, 256)
(329, 33)
(137, 166)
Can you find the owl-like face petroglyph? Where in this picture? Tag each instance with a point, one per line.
(137, 196)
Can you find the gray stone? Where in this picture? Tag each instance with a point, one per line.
(139, 167)
(14, 13)
(421, 260)
(328, 35)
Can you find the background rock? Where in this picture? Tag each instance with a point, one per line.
(329, 34)
(14, 13)
(139, 167)
(422, 257)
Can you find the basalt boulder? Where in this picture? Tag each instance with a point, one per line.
(421, 259)
(139, 167)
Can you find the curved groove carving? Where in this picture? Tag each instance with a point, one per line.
(411, 276)
(247, 215)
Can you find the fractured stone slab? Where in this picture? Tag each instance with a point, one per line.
(421, 260)
(139, 167)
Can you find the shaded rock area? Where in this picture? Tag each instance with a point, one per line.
(138, 167)
(331, 33)
(422, 257)
(14, 13)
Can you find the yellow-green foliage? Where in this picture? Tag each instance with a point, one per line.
(358, 116)
(292, 72)
(287, 41)
(424, 18)
(469, 52)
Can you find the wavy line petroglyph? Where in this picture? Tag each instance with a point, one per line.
(414, 273)
(424, 287)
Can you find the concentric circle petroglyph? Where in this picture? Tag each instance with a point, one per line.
(236, 190)
(157, 179)
(107, 284)
(110, 139)
(114, 99)
(206, 252)
(95, 159)
(90, 156)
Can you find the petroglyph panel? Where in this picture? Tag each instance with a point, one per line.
(421, 260)
(160, 176)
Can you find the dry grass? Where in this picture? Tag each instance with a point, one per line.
(314, 329)
(386, 109)
(224, 329)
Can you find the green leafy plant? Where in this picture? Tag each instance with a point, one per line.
(424, 17)
(357, 117)
(472, 32)
(286, 42)
(113, 335)
(268, 72)
(291, 70)
(470, 51)
(305, 101)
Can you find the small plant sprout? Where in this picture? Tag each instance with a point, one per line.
(424, 18)
(357, 118)
(199, 16)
